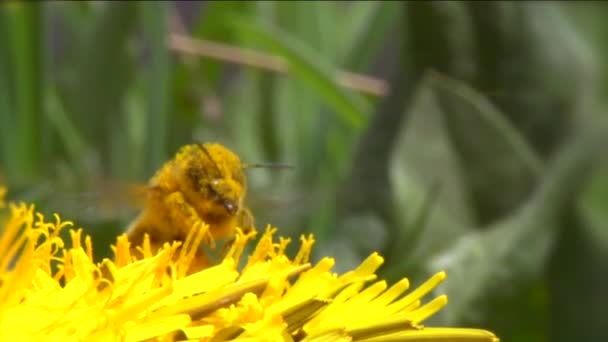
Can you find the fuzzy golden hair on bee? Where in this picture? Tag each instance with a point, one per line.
(203, 183)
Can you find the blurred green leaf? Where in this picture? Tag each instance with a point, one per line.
(210, 25)
(365, 31)
(514, 250)
(324, 26)
(135, 137)
(74, 18)
(98, 74)
(67, 132)
(576, 278)
(355, 24)
(7, 123)
(24, 30)
(155, 16)
(311, 23)
(267, 123)
(406, 239)
(494, 155)
(309, 122)
(211, 22)
(307, 67)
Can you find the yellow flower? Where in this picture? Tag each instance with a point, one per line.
(53, 292)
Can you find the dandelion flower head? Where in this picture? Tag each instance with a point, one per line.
(54, 290)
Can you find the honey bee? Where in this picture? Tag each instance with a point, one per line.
(203, 182)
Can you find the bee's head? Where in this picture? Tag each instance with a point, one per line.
(217, 175)
(213, 178)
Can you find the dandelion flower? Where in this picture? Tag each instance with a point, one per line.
(54, 292)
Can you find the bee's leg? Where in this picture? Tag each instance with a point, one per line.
(183, 218)
(181, 214)
(246, 223)
(246, 220)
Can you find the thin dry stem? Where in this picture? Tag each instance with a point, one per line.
(187, 45)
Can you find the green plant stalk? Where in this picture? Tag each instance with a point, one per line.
(67, 132)
(24, 38)
(155, 16)
(98, 73)
(7, 134)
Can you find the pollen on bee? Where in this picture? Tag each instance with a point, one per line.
(202, 186)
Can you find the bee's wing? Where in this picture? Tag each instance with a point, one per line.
(279, 206)
(103, 200)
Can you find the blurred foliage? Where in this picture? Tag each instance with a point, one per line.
(483, 159)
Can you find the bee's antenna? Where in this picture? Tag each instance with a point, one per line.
(210, 157)
(267, 166)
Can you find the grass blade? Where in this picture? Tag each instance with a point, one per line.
(155, 17)
(307, 67)
(24, 40)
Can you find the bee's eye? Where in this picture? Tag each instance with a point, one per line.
(230, 206)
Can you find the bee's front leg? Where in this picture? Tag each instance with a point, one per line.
(246, 220)
(182, 215)
(184, 218)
